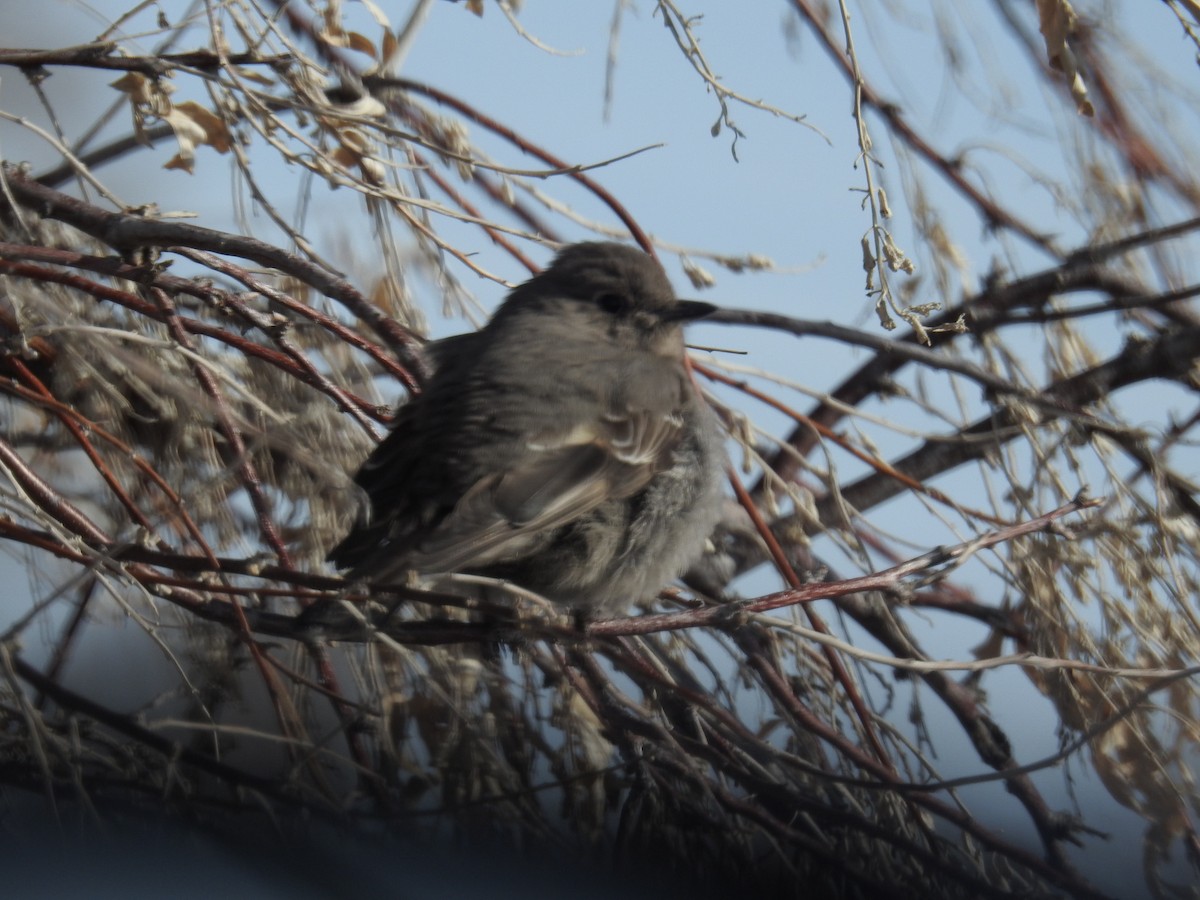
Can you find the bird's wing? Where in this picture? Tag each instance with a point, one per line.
(384, 479)
(563, 474)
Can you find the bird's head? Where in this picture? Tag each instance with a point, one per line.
(608, 292)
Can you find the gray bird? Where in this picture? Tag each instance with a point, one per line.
(561, 447)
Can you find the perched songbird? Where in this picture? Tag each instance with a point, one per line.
(562, 447)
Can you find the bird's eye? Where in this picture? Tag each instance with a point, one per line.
(613, 303)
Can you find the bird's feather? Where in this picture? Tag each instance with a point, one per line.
(563, 475)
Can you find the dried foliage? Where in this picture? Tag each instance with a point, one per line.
(182, 408)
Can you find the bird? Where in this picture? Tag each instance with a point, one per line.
(562, 447)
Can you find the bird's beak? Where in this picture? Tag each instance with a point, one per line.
(683, 310)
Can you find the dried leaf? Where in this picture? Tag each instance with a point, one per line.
(1056, 21)
(361, 43)
(699, 277)
(390, 46)
(194, 125)
(333, 33)
(187, 134)
(356, 150)
(252, 75)
(216, 131)
(868, 258)
(150, 94)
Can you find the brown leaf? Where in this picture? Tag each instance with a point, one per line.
(194, 125)
(216, 131)
(149, 94)
(361, 43)
(1056, 21)
(252, 75)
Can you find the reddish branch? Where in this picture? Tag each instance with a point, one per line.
(889, 581)
(145, 737)
(143, 307)
(128, 232)
(390, 90)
